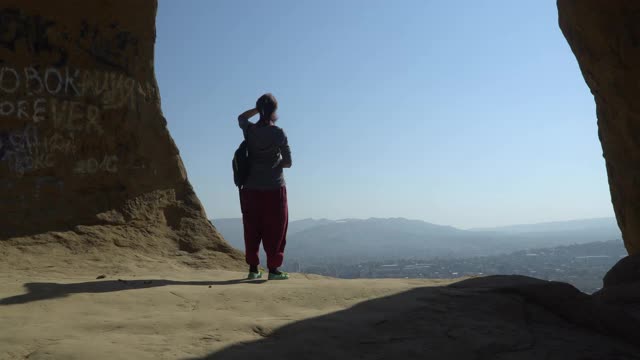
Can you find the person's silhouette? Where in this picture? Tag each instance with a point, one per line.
(263, 196)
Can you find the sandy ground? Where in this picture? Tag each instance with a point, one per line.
(177, 313)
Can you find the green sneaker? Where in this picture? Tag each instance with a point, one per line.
(281, 276)
(254, 275)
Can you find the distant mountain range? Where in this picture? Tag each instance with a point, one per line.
(393, 238)
(571, 225)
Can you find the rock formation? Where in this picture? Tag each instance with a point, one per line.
(84, 148)
(605, 38)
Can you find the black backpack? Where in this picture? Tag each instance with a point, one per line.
(241, 162)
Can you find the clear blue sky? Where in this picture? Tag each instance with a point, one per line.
(464, 113)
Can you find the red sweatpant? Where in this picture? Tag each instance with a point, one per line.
(265, 217)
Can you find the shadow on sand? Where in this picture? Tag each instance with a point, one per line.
(485, 318)
(45, 291)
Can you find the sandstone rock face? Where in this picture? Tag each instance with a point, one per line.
(82, 136)
(605, 38)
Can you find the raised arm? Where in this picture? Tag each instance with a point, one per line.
(243, 119)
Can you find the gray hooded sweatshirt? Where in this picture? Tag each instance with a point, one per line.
(269, 153)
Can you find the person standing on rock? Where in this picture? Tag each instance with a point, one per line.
(263, 196)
